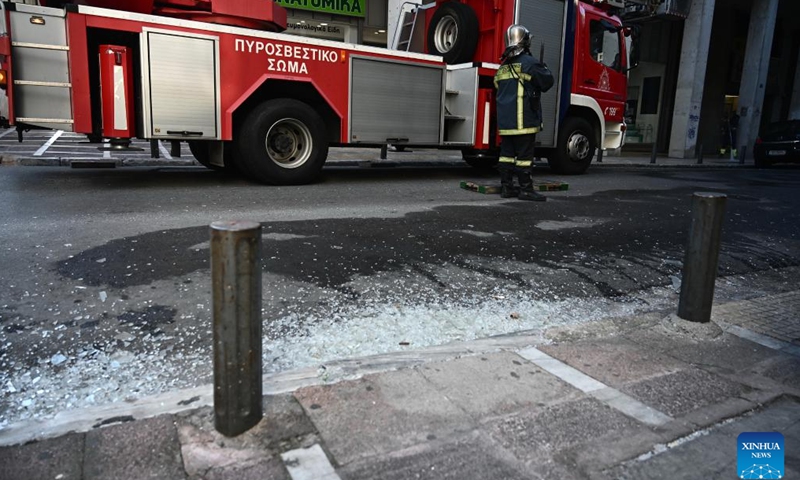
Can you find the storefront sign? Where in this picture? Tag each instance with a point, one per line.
(353, 8)
(316, 30)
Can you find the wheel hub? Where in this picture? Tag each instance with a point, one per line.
(282, 142)
(446, 34)
(289, 143)
(578, 146)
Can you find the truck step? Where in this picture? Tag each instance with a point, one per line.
(541, 185)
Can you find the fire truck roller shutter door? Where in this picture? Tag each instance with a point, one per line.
(575, 148)
(282, 142)
(453, 33)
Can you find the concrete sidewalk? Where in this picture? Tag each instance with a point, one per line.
(635, 398)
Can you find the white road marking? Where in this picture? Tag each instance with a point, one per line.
(610, 396)
(574, 377)
(631, 407)
(760, 339)
(106, 153)
(164, 151)
(48, 143)
(7, 132)
(309, 464)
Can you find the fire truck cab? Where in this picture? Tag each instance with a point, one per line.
(219, 75)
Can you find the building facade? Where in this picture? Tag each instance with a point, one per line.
(712, 73)
(711, 81)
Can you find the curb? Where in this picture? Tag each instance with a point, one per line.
(6, 160)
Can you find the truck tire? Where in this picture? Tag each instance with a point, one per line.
(575, 149)
(480, 159)
(282, 142)
(199, 150)
(453, 33)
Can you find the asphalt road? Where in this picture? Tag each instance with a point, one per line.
(105, 286)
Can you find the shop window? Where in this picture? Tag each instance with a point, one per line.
(604, 45)
(651, 90)
(632, 105)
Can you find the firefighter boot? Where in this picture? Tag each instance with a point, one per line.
(507, 188)
(526, 191)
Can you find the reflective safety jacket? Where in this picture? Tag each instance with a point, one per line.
(520, 82)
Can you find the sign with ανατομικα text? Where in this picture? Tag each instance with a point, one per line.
(353, 8)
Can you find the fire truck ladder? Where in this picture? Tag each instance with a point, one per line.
(408, 36)
(40, 55)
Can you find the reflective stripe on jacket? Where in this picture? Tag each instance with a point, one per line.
(520, 82)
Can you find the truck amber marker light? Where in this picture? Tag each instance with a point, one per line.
(342, 56)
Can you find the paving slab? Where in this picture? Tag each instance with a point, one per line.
(144, 449)
(726, 352)
(60, 458)
(712, 454)
(497, 384)
(682, 392)
(614, 361)
(283, 427)
(773, 315)
(469, 457)
(785, 370)
(270, 468)
(380, 413)
(550, 439)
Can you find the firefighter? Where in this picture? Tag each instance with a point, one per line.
(520, 81)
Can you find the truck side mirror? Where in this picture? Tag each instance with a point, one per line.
(633, 54)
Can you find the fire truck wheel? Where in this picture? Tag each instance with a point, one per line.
(453, 33)
(575, 150)
(199, 150)
(482, 160)
(282, 142)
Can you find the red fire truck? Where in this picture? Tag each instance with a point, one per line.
(220, 75)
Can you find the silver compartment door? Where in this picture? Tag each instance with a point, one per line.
(545, 20)
(181, 85)
(42, 88)
(394, 102)
(460, 106)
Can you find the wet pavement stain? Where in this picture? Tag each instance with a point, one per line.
(331, 252)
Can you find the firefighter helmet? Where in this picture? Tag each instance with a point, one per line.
(518, 39)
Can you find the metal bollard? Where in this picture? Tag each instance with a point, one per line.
(599, 155)
(654, 152)
(742, 154)
(702, 256)
(700, 154)
(236, 291)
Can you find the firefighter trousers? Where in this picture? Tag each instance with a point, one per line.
(516, 156)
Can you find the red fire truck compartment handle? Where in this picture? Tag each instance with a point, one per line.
(185, 133)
